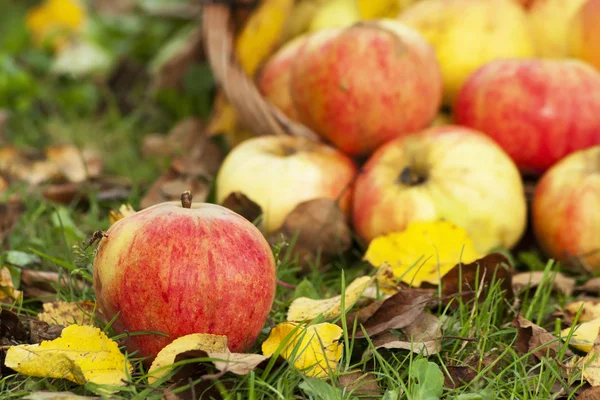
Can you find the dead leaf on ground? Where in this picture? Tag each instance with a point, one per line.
(10, 212)
(423, 335)
(532, 279)
(535, 339)
(42, 284)
(105, 188)
(81, 354)
(590, 364)
(396, 312)
(8, 293)
(125, 210)
(591, 286)
(12, 330)
(459, 375)
(590, 309)
(240, 203)
(318, 226)
(487, 270)
(70, 313)
(43, 395)
(584, 334)
(592, 393)
(361, 384)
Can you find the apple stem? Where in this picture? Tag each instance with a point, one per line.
(409, 178)
(186, 199)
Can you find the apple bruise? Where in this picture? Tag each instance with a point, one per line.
(166, 271)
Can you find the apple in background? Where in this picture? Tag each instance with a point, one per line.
(274, 77)
(549, 22)
(366, 84)
(448, 172)
(538, 110)
(566, 209)
(469, 33)
(280, 172)
(584, 34)
(181, 269)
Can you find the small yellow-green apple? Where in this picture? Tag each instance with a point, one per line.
(280, 172)
(549, 21)
(469, 33)
(181, 268)
(335, 14)
(446, 172)
(366, 84)
(584, 34)
(538, 110)
(566, 209)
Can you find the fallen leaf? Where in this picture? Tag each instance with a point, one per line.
(423, 252)
(591, 286)
(584, 334)
(8, 293)
(240, 203)
(319, 226)
(81, 354)
(590, 364)
(590, 309)
(57, 396)
(361, 384)
(459, 375)
(313, 350)
(10, 212)
(43, 284)
(478, 276)
(560, 282)
(105, 188)
(592, 393)
(224, 121)
(125, 210)
(398, 311)
(535, 339)
(422, 336)
(306, 309)
(12, 330)
(195, 341)
(69, 313)
(74, 164)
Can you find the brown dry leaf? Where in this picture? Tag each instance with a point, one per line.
(43, 395)
(590, 309)
(69, 313)
(8, 293)
(560, 282)
(321, 227)
(592, 393)
(591, 286)
(459, 375)
(238, 363)
(42, 284)
(74, 164)
(533, 338)
(12, 330)
(396, 312)
(423, 335)
(10, 212)
(240, 203)
(494, 266)
(361, 384)
(104, 187)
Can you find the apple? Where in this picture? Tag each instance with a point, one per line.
(584, 34)
(469, 33)
(446, 172)
(363, 85)
(182, 268)
(335, 14)
(566, 209)
(538, 110)
(280, 172)
(549, 22)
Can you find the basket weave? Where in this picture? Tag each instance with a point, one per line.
(254, 111)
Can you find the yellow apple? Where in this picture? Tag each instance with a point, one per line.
(584, 34)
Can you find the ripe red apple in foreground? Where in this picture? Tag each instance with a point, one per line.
(366, 84)
(566, 209)
(538, 110)
(446, 172)
(180, 270)
(280, 172)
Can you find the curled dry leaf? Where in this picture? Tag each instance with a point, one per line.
(8, 293)
(590, 364)
(104, 187)
(125, 210)
(592, 393)
(424, 252)
(591, 286)
(422, 336)
(70, 313)
(534, 338)
(195, 341)
(314, 349)
(532, 279)
(81, 354)
(396, 312)
(241, 204)
(479, 275)
(361, 384)
(42, 284)
(584, 334)
(590, 309)
(12, 330)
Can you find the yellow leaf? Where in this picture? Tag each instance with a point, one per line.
(81, 354)
(314, 350)
(194, 341)
(590, 311)
(261, 35)
(124, 211)
(68, 313)
(583, 335)
(7, 289)
(589, 365)
(423, 252)
(55, 20)
(306, 309)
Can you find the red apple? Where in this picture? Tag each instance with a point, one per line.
(180, 270)
(538, 110)
(280, 172)
(566, 209)
(446, 172)
(366, 84)
(584, 34)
